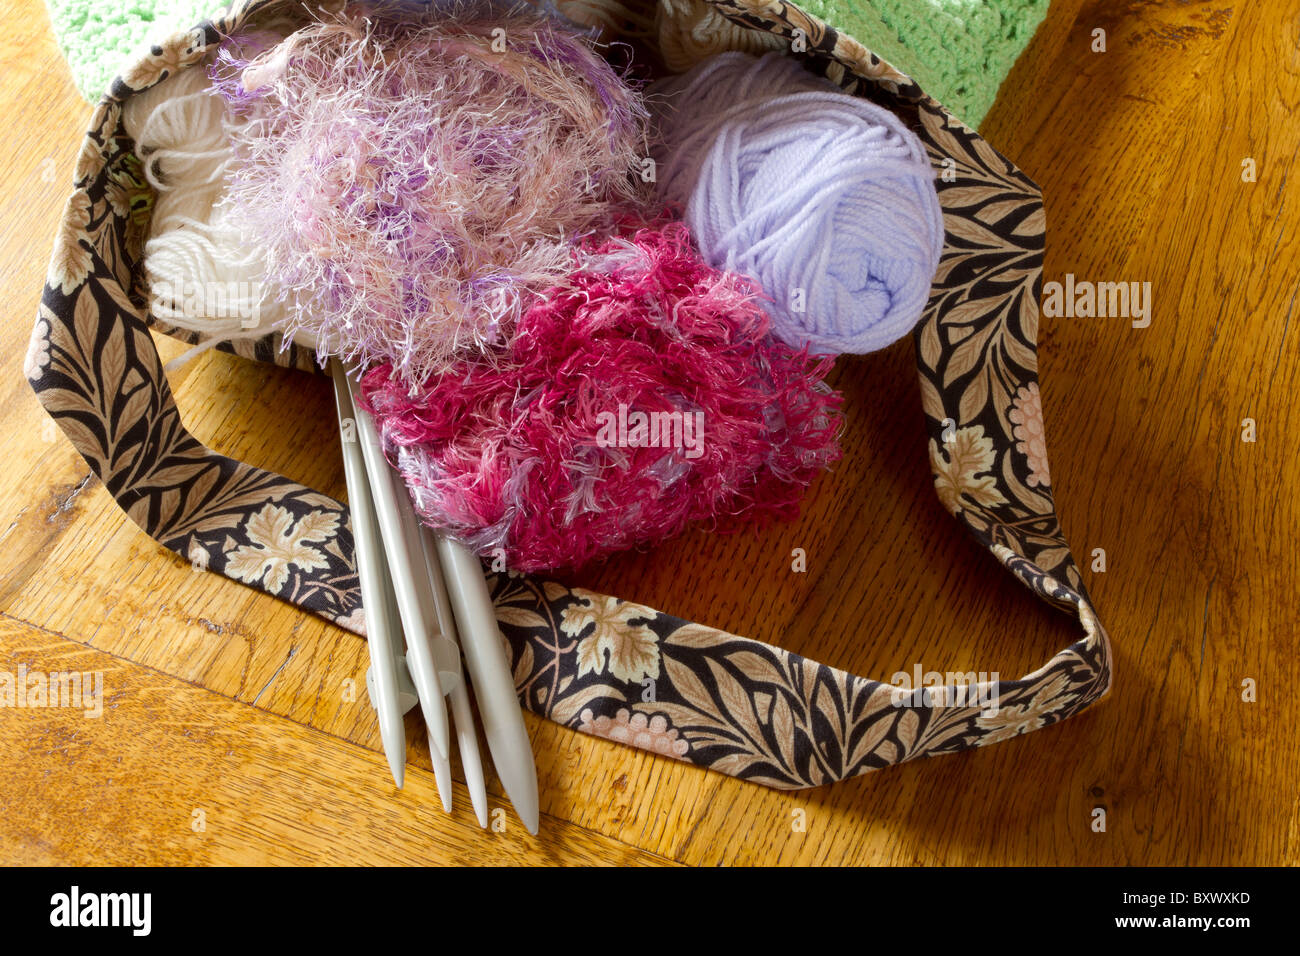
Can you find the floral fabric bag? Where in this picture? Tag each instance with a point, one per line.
(728, 703)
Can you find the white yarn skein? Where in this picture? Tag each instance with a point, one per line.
(825, 199)
(202, 276)
(177, 128)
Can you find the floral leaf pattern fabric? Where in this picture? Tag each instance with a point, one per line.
(958, 469)
(596, 663)
(276, 543)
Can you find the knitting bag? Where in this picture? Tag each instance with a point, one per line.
(728, 703)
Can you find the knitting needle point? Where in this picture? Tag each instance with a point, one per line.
(494, 685)
(442, 776)
(471, 760)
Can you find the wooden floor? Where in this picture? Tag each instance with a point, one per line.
(227, 735)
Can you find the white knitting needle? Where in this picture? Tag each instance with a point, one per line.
(371, 570)
(405, 558)
(441, 652)
(494, 685)
(462, 716)
(426, 653)
(432, 653)
(432, 661)
(448, 667)
(408, 696)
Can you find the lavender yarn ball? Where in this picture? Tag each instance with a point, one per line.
(826, 199)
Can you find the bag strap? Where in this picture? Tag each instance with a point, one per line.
(585, 660)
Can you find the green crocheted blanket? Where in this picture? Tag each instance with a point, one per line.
(960, 51)
(100, 37)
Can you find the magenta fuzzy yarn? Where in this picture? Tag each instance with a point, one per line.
(415, 182)
(536, 450)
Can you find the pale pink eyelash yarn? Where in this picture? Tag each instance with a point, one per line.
(416, 182)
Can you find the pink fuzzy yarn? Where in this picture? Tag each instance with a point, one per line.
(513, 450)
(415, 180)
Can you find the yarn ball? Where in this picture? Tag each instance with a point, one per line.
(414, 182)
(640, 396)
(824, 198)
(199, 273)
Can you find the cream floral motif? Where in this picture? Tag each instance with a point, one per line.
(71, 261)
(1026, 416)
(89, 161)
(1016, 719)
(633, 651)
(179, 50)
(278, 542)
(652, 734)
(118, 194)
(958, 470)
(38, 350)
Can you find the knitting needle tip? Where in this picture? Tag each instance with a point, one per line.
(397, 764)
(518, 776)
(442, 775)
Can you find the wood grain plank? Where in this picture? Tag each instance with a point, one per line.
(170, 773)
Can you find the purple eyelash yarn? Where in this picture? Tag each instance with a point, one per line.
(824, 198)
(640, 395)
(416, 181)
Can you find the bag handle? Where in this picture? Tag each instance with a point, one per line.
(728, 703)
